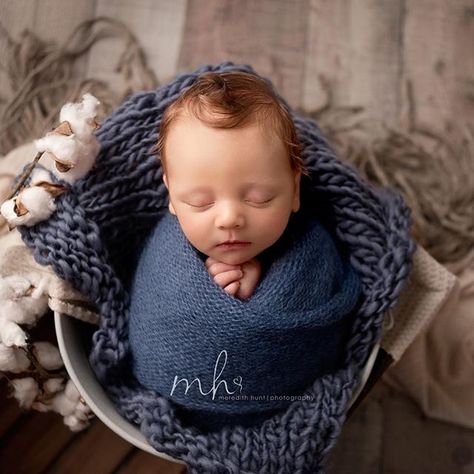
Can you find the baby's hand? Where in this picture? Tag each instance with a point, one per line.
(225, 275)
(249, 281)
(237, 280)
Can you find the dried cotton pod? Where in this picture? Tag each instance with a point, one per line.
(25, 390)
(30, 206)
(76, 424)
(53, 385)
(61, 148)
(73, 158)
(81, 116)
(38, 175)
(11, 334)
(24, 309)
(13, 359)
(70, 405)
(13, 287)
(47, 355)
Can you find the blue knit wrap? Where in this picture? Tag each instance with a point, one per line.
(92, 237)
(272, 346)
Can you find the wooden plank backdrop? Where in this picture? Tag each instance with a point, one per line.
(373, 53)
(368, 50)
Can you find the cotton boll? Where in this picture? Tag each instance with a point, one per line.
(86, 154)
(39, 203)
(59, 403)
(18, 308)
(11, 334)
(55, 385)
(73, 145)
(79, 158)
(48, 355)
(41, 283)
(7, 209)
(13, 359)
(80, 116)
(31, 206)
(25, 390)
(25, 310)
(13, 286)
(39, 175)
(12, 310)
(68, 403)
(74, 424)
(71, 392)
(33, 307)
(62, 147)
(83, 412)
(90, 104)
(80, 418)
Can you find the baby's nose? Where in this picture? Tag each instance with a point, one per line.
(229, 217)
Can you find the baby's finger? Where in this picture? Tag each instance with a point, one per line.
(209, 261)
(220, 267)
(232, 288)
(225, 278)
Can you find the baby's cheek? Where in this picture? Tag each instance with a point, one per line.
(272, 226)
(196, 231)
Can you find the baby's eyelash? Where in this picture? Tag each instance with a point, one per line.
(200, 205)
(251, 201)
(254, 201)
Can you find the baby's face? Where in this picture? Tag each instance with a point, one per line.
(229, 185)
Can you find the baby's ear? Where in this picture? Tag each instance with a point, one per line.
(170, 204)
(171, 208)
(296, 197)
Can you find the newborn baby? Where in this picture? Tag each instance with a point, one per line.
(231, 163)
(232, 167)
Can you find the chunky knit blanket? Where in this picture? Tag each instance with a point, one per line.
(216, 355)
(106, 213)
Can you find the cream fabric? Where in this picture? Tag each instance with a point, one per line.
(437, 369)
(428, 288)
(17, 259)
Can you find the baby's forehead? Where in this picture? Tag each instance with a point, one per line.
(216, 120)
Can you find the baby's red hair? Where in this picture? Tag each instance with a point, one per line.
(230, 100)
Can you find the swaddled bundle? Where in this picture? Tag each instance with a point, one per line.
(104, 215)
(208, 351)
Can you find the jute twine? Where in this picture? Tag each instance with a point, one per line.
(434, 171)
(43, 76)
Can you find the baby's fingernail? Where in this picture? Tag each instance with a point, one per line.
(241, 273)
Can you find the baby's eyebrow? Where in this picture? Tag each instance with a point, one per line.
(199, 191)
(264, 186)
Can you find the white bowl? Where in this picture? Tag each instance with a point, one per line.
(74, 340)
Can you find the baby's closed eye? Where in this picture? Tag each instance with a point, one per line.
(258, 201)
(199, 204)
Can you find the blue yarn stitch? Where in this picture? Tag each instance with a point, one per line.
(98, 225)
